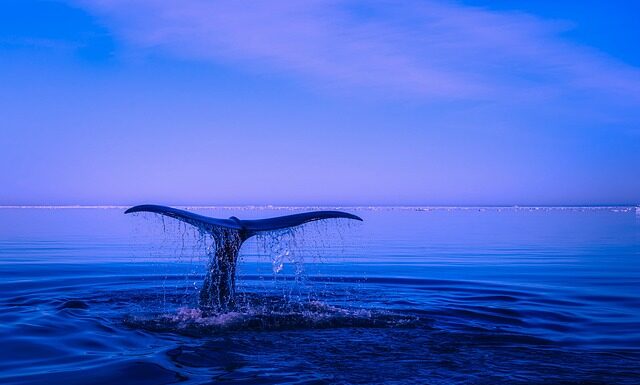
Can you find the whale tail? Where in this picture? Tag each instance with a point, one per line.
(218, 290)
(247, 228)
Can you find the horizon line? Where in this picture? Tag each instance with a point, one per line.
(360, 207)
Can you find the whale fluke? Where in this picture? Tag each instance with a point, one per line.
(293, 220)
(248, 227)
(199, 221)
(219, 285)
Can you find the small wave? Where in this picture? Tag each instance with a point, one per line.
(73, 304)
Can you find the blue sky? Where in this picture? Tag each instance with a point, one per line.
(319, 102)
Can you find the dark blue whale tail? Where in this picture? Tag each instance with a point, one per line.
(247, 228)
(229, 234)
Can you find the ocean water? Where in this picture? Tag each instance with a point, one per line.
(409, 296)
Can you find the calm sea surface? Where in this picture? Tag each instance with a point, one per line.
(428, 296)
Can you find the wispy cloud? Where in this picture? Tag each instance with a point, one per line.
(415, 48)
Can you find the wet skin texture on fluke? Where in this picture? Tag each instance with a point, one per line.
(218, 290)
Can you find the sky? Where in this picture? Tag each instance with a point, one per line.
(319, 102)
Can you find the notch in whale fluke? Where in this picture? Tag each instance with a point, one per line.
(249, 227)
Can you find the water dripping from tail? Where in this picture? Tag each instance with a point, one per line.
(218, 290)
(219, 287)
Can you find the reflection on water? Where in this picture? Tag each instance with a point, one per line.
(438, 296)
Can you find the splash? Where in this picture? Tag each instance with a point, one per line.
(269, 314)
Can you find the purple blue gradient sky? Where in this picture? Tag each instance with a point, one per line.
(319, 102)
